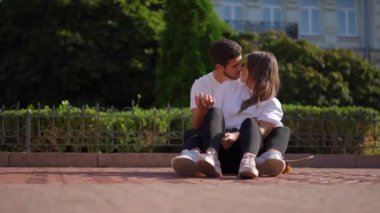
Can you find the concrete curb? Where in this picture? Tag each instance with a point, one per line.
(336, 161)
(163, 160)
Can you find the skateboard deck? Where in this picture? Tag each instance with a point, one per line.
(299, 159)
(288, 169)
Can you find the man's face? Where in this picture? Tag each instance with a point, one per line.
(233, 68)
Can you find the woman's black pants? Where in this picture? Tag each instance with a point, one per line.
(210, 135)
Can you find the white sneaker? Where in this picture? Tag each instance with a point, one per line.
(184, 164)
(209, 164)
(270, 163)
(247, 169)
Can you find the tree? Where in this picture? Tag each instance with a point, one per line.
(191, 27)
(84, 51)
(314, 76)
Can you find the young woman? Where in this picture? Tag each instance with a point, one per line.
(233, 132)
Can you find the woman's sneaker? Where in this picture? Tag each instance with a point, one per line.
(247, 169)
(184, 164)
(270, 163)
(209, 164)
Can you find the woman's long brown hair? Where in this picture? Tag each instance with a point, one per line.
(263, 78)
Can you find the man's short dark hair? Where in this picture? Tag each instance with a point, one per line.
(224, 50)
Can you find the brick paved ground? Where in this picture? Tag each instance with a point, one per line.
(165, 175)
(160, 190)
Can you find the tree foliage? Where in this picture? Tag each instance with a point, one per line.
(85, 51)
(313, 76)
(106, 51)
(191, 27)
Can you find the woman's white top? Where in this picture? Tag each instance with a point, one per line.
(229, 97)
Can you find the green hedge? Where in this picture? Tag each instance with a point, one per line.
(67, 128)
(340, 130)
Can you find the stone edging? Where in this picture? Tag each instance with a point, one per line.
(162, 160)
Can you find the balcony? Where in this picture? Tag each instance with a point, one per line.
(291, 29)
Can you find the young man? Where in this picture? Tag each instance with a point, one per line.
(227, 56)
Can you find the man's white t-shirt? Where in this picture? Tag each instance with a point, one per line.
(206, 84)
(229, 97)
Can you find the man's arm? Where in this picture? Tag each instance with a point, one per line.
(197, 118)
(203, 102)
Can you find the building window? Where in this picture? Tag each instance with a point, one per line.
(232, 13)
(271, 11)
(309, 23)
(346, 17)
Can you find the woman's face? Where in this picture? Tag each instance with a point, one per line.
(244, 74)
(245, 78)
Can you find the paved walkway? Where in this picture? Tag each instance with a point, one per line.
(160, 190)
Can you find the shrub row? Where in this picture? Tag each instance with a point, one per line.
(90, 129)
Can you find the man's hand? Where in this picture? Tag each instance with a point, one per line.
(229, 138)
(204, 101)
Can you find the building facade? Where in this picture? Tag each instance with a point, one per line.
(353, 24)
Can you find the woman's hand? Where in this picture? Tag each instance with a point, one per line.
(229, 138)
(265, 128)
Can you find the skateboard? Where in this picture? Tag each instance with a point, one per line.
(299, 159)
(288, 169)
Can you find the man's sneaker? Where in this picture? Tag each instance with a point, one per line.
(184, 164)
(247, 169)
(209, 164)
(270, 163)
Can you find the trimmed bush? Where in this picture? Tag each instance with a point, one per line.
(332, 130)
(342, 130)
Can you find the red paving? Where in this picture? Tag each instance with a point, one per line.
(11, 175)
(144, 190)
